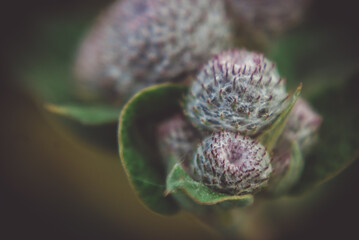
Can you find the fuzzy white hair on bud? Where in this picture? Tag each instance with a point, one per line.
(236, 90)
(230, 163)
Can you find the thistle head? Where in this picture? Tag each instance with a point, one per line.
(237, 91)
(230, 163)
(142, 42)
(271, 16)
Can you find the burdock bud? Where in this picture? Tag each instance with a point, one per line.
(230, 163)
(137, 43)
(281, 161)
(302, 125)
(301, 130)
(237, 91)
(270, 16)
(177, 137)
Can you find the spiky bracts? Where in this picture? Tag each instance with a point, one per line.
(177, 137)
(141, 42)
(271, 16)
(230, 163)
(238, 91)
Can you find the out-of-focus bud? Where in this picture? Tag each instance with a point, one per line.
(298, 136)
(176, 137)
(271, 16)
(136, 43)
(302, 125)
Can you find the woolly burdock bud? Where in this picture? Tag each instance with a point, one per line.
(270, 16)
(302, 125)
(230, 163)
(237, 91)
(137, 43)
(177, 137)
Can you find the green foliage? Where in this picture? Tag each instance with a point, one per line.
(137, 143)
(46, 70)
(271, 135)
(89, 115)
(178, 179)
(320, 57)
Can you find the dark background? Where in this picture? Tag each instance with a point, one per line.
(55, 186)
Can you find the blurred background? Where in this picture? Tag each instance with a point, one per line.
(55, 185)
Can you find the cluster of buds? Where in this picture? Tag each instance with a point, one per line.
(236, 97)
(232, 100)
(137, 43)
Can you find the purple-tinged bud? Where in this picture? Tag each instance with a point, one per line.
(230, 163)
(287, 164)
(89, 63)
(302, 125)
(177, 137)
(271, 16)
(137, 43)
(238, 91)
(301, 130)
(281, 160)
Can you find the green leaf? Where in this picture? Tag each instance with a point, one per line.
(270, 136)
(137, 143)
(178, 179)
(338, 144)
(89, 115)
